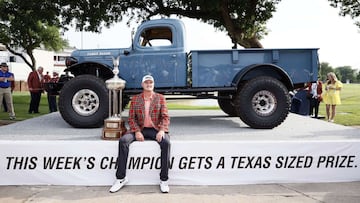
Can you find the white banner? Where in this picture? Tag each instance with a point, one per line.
(192, 162)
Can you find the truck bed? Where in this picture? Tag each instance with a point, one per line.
(217, 68)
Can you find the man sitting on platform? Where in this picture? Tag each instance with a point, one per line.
(148, 120)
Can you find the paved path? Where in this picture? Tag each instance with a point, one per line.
(279, 193)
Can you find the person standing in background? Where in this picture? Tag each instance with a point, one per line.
(6, 78)
(35, 84)
(331, 97)
(4, 101)
(314, 92)
(47, 77)
(50, 96)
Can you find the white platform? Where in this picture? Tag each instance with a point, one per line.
(208, 148)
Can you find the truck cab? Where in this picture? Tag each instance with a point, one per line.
(157, 49)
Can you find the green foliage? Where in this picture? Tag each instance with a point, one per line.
(27, 25)
(325, 68)
(343, 73)
(348, 8)
(244, 21)
(90, 15)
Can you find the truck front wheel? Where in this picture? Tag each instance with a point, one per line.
(83, 102)
(262, 102)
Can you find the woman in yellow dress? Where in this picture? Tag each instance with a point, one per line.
(331, 96)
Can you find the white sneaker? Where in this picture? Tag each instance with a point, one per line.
(164, 186)
(118, 184)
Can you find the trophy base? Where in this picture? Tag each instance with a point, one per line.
(113, 129)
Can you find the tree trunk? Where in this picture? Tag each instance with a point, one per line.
(33, 60)
(249, 42)
(235, 33)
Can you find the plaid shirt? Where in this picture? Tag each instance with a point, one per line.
(158, 113)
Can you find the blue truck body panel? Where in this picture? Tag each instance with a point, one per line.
(169, 68)
(217, 68)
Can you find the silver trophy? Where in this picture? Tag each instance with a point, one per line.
(114, 126)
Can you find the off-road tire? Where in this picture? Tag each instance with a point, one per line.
(262, 103)
(84, 102)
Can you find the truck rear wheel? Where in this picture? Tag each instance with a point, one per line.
(262, 102)
(83, 102)
(226, 105)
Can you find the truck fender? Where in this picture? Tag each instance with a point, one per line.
(257, 70)
(91, 68)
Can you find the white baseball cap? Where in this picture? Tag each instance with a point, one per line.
(147, 77)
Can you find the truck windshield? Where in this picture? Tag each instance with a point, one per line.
(156, 36)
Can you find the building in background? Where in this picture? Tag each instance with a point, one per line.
(50, 60)
(59, 59)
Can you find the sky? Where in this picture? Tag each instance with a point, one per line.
(295, 24)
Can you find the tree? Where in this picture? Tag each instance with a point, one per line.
(27, 25)
(345, 73)
(358, 77)
(325, 68)
(348, 8)
(243, 20)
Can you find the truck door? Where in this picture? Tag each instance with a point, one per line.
(157, 52)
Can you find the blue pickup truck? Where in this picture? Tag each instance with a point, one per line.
(252, 84)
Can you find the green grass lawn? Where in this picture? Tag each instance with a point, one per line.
(348, 113)
(21, 107)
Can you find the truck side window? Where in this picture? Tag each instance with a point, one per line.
(157, 36)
